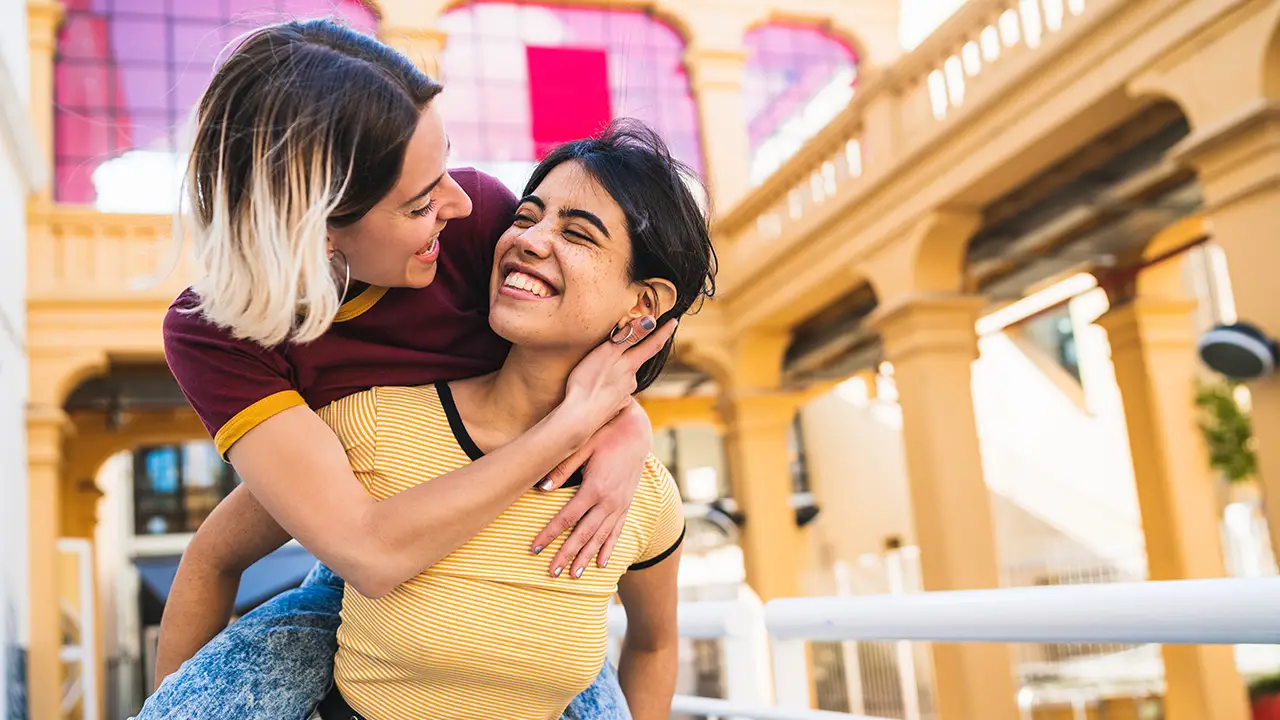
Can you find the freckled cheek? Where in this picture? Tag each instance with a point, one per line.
(592, 309)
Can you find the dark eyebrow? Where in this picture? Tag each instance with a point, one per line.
(448, 147)
(570, 213)
(533, 200)
(589, 217)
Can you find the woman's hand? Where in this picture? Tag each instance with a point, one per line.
(600, 391)
(603, 383)
(612, 462)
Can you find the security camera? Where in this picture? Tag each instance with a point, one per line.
(805, 508)
(1239, 351)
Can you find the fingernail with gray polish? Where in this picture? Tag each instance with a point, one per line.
(537, 549)
(577, 573)
(545, 485)
(648, 323)
(555, 573)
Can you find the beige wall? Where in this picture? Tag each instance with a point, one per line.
(857, 472)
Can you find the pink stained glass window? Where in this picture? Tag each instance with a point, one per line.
(487, 101)
(127, 73)
(787, 67)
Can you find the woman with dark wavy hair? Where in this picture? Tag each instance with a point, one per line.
(608, 232)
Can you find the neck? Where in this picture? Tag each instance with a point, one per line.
(527, 387)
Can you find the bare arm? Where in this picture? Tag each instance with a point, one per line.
(647, 669)
(238, 533)
(298, 470)
(296, 467)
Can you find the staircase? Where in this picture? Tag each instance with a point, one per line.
(1059, 473)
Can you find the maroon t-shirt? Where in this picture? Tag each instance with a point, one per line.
(396, 336)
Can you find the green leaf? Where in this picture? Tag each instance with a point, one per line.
(1228, 431)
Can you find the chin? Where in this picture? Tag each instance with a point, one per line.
(508, 325)
(420, 277)
(518, 326)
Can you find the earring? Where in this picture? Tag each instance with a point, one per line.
(613, 335)
(346, 271)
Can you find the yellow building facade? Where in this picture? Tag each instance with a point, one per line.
(1019, 144)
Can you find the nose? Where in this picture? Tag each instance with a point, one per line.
(534, 241)
(454, 201)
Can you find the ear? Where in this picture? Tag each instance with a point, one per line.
(653, 297)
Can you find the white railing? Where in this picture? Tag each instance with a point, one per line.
(81, 687)
(1201, 612)
(739, 626)
(1183, 612)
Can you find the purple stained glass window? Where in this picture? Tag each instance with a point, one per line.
(787, 66)
(128, 72)
(486, 102)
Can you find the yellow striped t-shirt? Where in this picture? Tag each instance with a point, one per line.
(485, 632)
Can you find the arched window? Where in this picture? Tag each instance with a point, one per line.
(797, 79)
(126, 76)
(520, 78)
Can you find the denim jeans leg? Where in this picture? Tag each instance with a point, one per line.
(602, 701)
(275, 663)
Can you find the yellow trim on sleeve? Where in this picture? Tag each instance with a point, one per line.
(253, 416)
(358, 305)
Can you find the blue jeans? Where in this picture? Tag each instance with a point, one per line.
(276, 663)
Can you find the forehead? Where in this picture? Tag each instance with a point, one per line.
(570, 187)
(424, 156)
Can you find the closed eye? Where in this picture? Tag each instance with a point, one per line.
(580, 236)
(425, 209)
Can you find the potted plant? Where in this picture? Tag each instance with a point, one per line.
(1228, 434)
(1264, 694)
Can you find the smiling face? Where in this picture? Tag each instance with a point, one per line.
(562, 271)
(396, 244)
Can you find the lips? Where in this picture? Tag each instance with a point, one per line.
(523, 281)
(528, 283)
(430, 251)
(430, 247)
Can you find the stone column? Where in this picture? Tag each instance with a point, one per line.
(1225, 81)
(46, 428)
(1153, 350)
(715, 74)
(757, 425)
(44, 18)
(931, 342)
(1239, 167)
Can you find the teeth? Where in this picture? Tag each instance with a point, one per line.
(528, 283)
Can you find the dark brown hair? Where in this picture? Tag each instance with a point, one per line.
(670, 232)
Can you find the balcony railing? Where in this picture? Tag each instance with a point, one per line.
(77, 253)
(985, 48)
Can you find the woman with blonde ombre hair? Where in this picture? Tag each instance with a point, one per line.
(342, 254)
